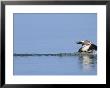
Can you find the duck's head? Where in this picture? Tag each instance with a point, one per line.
(86, 42)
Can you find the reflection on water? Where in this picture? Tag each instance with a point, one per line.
(55, 65)
(87, 62)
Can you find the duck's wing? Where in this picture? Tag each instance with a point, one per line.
(93, 47)
(79, 42)
(80, 50)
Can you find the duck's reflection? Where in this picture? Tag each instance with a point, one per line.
(88, 62)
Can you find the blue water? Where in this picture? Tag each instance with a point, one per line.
(53, 33)
(55, 65)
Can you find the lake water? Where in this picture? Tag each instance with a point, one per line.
(53, 33)
(55, 65)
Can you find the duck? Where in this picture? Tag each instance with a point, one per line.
(87, 46)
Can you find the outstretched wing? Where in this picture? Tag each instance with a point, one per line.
(93, 47)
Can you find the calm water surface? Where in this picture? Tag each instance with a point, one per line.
(55, 65)
(53, 33)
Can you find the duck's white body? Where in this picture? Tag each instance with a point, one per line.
(87, 46)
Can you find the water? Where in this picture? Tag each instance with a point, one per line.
(55, 65)
(53, 33)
